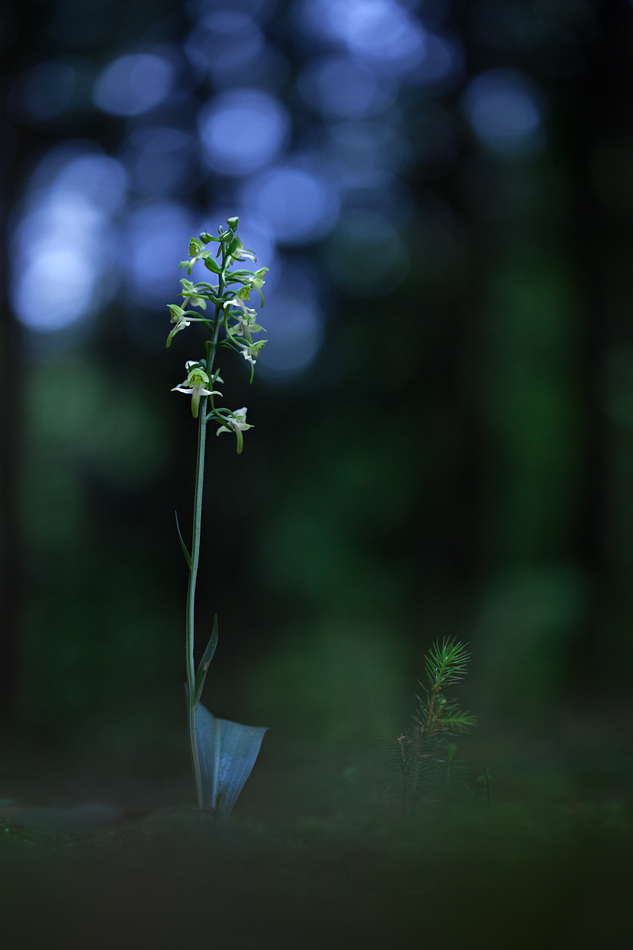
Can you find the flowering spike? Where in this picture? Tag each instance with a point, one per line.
(232, 324)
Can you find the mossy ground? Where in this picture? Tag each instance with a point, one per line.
(329, 862)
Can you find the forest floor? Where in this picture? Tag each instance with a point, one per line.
(319, 855)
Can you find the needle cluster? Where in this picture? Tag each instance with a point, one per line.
(437, 719)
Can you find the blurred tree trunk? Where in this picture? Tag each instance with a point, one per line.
(603, 115)
(10, 560)
(20, 41)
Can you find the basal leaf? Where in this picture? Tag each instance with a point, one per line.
(227, 752)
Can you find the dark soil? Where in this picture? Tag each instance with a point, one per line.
(318, 855)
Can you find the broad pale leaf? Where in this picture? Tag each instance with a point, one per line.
(227, 752)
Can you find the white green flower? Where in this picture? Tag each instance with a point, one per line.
(252, 283)
(236, 423)
(179, 318)
(190, 294)
(244, 327)
(251, 352)
(195, 385)
(244, 322)
(198, 252)
(256, 282)
(239, 252)
(238, 301)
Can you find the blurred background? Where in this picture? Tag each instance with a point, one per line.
(443, 441)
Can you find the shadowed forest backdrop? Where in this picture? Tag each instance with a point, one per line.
(443, 439)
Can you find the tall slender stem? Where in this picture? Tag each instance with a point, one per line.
(191, 598)
(195, 560)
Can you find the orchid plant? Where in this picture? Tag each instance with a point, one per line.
(222, 752)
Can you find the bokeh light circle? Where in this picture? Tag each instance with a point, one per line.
(506, 110)
(63, 244)
(242, 130)
(298, 205)
(341, 87)
(133, 84)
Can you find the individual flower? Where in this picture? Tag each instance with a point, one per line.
(238, 252)
(236, 423)
(256, 282)
(179, 318)
(190, 294)
(195, 385)
(198, 252)
(251, 352)
(244, 326)
(238, 301)
(252, 281)
(244, 322)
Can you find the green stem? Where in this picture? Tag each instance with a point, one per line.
(422, 735)
(195, 560)
(191, 600)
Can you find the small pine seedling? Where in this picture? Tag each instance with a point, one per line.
(437, 719)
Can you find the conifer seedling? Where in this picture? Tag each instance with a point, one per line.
(436, 720)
